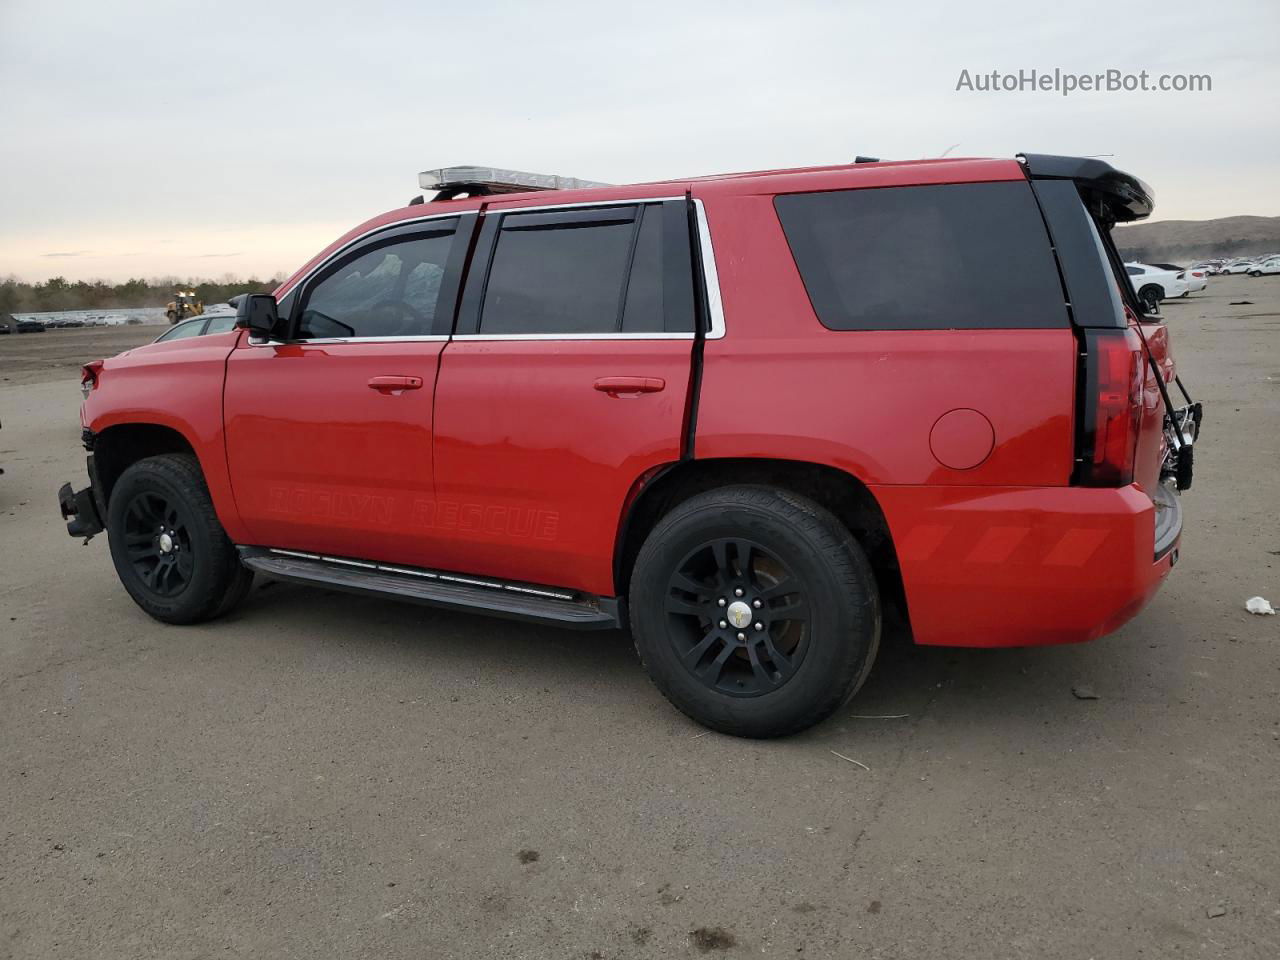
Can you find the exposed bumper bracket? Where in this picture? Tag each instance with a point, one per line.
(80, 510)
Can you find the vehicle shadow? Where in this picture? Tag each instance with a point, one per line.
(1001, 689)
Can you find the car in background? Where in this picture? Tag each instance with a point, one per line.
(198, 327)
(6, 324)
(1270, 265)
(1237, 266)
(1153, 284)
(1196, 277)
(30, 326)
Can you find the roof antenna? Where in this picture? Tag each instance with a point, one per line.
(948, 150)
(861, 159)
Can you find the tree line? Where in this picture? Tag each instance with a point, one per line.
(58, 293)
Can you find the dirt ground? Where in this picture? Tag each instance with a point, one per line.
(319, 775)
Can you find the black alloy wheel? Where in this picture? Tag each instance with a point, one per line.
(158, 543)
(754, 610)
(169, 550)
(738, 618)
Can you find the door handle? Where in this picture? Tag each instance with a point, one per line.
(394, 384)
(620, 386)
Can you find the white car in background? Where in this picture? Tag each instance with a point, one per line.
(1237, 266)
(1197, 277)
(1270, 265)
(1153, 284)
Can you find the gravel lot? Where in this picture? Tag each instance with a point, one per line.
(319, 775)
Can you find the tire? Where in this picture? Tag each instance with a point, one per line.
(790, 672)
(1151, 295)
(169, 550)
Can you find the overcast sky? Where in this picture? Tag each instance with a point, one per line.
(159, 137)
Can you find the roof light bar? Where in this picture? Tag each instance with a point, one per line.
(453, 180)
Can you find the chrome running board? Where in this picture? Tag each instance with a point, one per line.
(502, 598)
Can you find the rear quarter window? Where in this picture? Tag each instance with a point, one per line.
(954, 256)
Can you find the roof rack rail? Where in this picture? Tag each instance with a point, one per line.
(451, 182)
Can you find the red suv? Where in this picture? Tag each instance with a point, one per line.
(748, 416)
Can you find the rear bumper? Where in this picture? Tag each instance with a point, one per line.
(1010, 567)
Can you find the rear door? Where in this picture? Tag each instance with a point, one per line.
(566, 381)
(328, 431)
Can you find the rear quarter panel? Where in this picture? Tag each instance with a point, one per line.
(779, 384)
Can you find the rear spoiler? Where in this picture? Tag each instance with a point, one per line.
(1112, 195)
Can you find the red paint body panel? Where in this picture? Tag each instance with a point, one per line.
(323, 461)
(866, 401)
(535, 465)
(1003, 567)
(176, 384)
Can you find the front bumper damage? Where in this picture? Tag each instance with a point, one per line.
(82, 509)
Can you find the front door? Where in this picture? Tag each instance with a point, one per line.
(567, 381)
(328, 432)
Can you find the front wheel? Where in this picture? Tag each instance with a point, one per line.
(169, 549)
(754, 611)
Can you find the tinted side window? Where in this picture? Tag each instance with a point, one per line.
(558, 273)
(388, 290)
(963, 256)
(644, 307)
(1134, 271)
(602, 271)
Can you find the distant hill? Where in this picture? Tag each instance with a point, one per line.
(1179, 241)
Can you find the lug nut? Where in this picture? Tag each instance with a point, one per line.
(759, 626)
(723, 624)
(742, 636)
(757, 604)
(738, 592)
(721, 602)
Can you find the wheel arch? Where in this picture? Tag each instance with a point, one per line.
(846, 496)
(119, 446)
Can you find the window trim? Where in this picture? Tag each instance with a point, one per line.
(463, 232)
(472, 222)
(376, 241)
(483, 259)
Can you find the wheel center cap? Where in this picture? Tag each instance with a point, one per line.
(739, 614)
(166, 543)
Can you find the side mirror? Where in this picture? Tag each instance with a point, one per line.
(257, 312)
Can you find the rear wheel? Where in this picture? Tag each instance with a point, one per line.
(169, 549)
(1151, 295)
(754, 611)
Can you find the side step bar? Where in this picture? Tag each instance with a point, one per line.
(517, 601)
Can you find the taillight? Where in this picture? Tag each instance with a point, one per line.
(89, 376)
(1112, 409)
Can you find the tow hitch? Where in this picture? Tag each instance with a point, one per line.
(80, 510)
